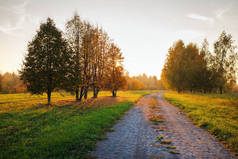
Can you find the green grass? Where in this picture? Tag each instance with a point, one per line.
(218, 114)
(59, 131)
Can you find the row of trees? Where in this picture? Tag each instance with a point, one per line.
(194, 69)
(142, 82)
(11, 83)
(81, 58)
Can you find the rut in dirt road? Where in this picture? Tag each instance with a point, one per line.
(135, 138)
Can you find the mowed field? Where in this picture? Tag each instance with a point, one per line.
(66, 129)
(218, 114)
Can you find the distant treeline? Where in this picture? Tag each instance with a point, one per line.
(11, 83)
(198, 69)
(142, 82)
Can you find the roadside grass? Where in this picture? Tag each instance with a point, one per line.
(66, 129)
(218, 114)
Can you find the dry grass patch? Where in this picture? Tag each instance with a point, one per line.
(156, 119)
(165, 142)
(170, 147)
(174, 152)
(159, 128)
(153, 102)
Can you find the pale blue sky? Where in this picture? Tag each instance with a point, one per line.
(143, 29)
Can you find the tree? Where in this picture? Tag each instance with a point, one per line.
(206, 80)
(182, 70)
(100, 57)
(75, 31)
(87, 55)
(173, 74)
(0, 82)
(225, 61)
(192, 67)
(115, 78)
(47, 61)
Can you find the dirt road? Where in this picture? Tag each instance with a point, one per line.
(135, 138)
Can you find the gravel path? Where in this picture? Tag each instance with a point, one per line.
(131, 139)
(190, 141)
(134, 137)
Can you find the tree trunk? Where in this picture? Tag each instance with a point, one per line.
(49, 97)
(77, 95)
(114, 94)
(85, 92)
(97, 91)
(94, 92)
(81, 93)
(220, 90)
(205, 91)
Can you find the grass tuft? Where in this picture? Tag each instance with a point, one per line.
(159, 138)
(174, 152)
(165, 142)
(156, 119)
(170, 147)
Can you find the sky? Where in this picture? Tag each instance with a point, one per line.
(143, 29)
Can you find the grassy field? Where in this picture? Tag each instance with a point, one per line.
(218, 114)
(66, 129)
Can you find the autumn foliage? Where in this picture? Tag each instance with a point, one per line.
(81, 59)
(197, 69)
